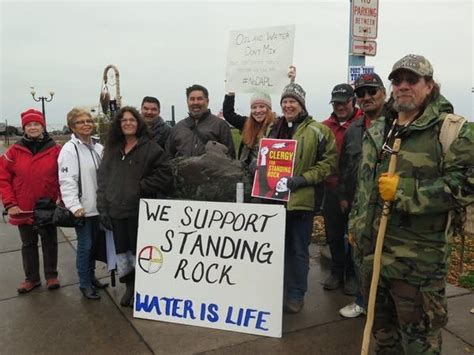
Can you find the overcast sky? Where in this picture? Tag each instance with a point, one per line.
(162, 47)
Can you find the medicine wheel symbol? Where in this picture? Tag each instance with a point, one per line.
(150, 259)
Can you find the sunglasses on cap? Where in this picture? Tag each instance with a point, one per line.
(361, 92)
(409, 77)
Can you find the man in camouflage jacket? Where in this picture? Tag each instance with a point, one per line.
(411, 306)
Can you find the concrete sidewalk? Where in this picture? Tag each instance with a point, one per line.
(62, 321)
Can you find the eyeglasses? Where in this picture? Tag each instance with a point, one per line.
(81, 123)
(361, 92)
(410, 78)
(128, 120)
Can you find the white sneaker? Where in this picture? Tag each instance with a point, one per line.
(352, 310)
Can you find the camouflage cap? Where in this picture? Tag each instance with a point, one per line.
(414, 63)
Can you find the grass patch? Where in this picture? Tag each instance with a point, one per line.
(467, 281)
(237, 137)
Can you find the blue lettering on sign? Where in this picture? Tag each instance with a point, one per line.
(245, 317)
(175, 307)
(184, 308)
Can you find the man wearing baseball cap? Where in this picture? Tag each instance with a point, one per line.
(370, 94)
(335, 218)
(411, 306)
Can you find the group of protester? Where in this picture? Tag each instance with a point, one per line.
(347, 154)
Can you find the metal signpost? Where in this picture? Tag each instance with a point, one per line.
(363, 31)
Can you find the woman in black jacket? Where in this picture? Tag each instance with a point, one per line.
(133, 167)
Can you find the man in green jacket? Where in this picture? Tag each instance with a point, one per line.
(411, 306)
(316, 159)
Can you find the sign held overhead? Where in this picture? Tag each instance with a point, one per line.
(258, 59)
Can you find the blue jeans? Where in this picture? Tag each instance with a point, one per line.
(85, 263)
(299, 226)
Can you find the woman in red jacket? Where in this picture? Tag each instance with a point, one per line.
(28, 172)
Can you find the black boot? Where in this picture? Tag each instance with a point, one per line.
(99, 285)
(127, 298)
(90, 293)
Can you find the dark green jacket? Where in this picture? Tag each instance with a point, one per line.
(316, 159)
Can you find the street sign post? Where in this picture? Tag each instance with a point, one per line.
(364, 15)
(361, 47)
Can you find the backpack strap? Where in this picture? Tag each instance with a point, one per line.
(450, 130)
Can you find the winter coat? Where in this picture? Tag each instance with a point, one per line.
(339, 130)
(26, 177)
(68, 164)
(160, 131)
(431, 184)
(316, 159)
(184, 141)
(123, 179)
(350, 159)
(245, 153)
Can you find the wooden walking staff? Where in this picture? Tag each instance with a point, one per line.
(378, 255)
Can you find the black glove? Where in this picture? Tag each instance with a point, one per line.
(253, 166)
(105, 221)
(296, 182)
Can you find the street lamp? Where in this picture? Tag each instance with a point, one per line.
(42, 99)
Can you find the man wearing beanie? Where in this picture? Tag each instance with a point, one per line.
(433, 178)
(335, 216)
(28, 172)
(316, 159)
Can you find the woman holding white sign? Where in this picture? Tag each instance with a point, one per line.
(133, 167)
(254, 126)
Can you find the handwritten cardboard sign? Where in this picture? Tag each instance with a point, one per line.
(258, 59)
(275, 161)
(211, 264)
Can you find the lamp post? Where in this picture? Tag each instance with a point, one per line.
(42, 99)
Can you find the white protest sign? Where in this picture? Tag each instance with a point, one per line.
(258, 59)
(357, 70)
(211, 264)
